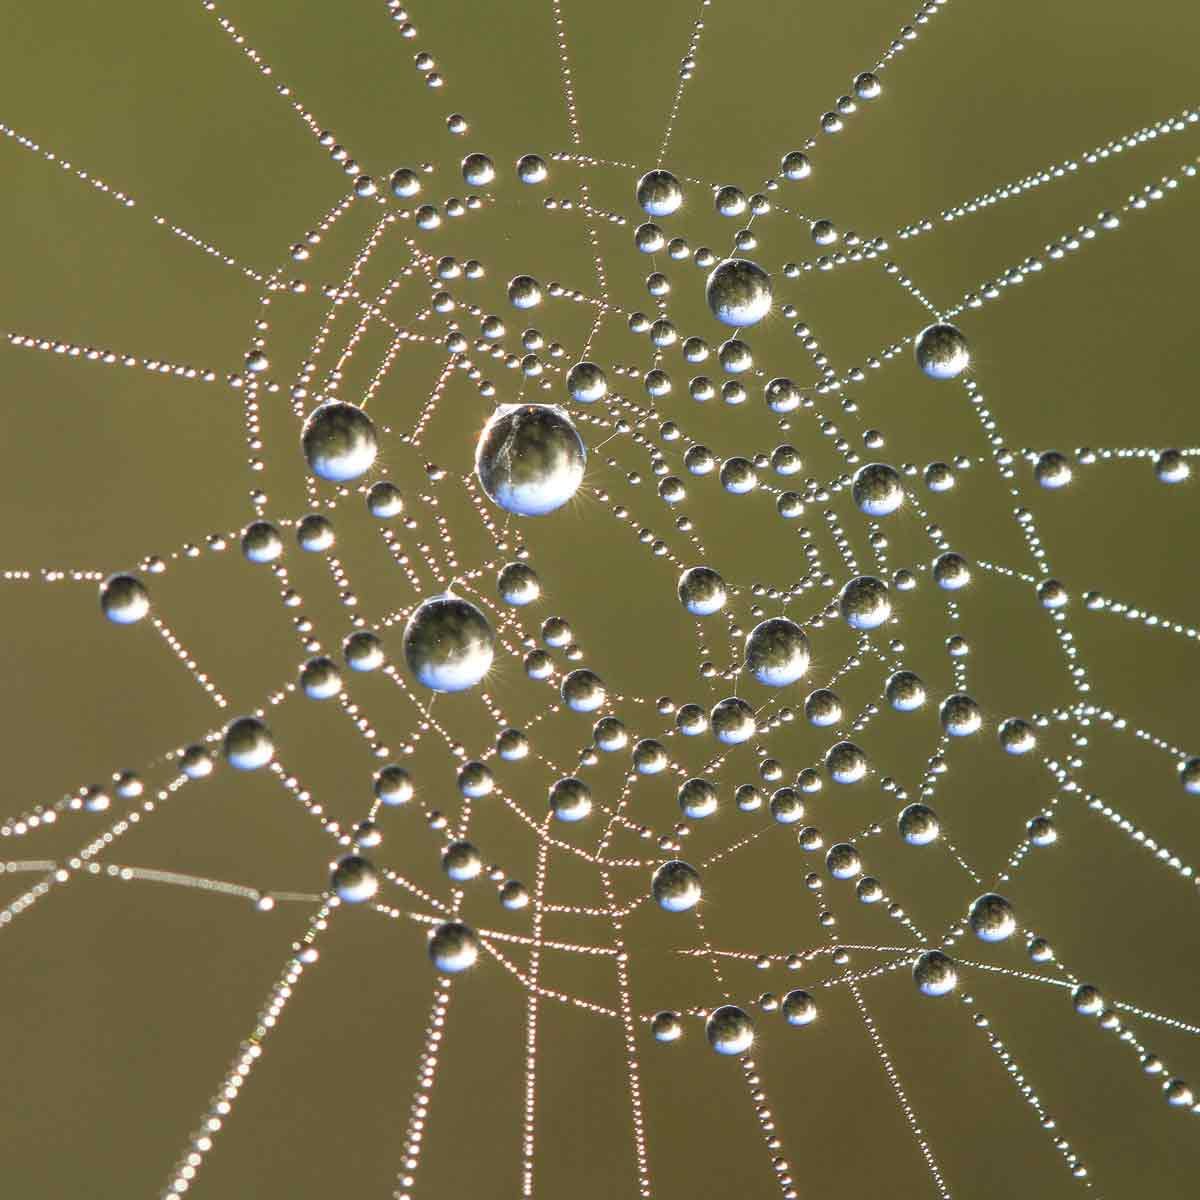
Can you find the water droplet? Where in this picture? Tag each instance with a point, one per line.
(124, 599)
(248, 744)
(777, 653)
(570, 799)
(877, 489)
(991, 918)
(659, 193)
(675, 886)
(730, 1030)
(739, 292)
(339, 441)
(354, 879)
(448, 644)
(935, 973)
(865, 603)
(942, 352)
(453, 947)
(530, 459)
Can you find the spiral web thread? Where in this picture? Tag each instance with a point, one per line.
(429, 563)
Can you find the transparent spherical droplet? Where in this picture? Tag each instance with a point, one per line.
(1189, 775)
(530, 459)
(1170, 466)
(748, 798)
(666, 1026)
(363, 651)
(248, 744)
(583, 691)
(905, 691)
(798, 1008)
(1017, 736)
(810, 839)
(570, 799)
(475, 779)
(675, 886)
(129, 785)
(918, 825)
(610, 735)
(729, 1030)
(786, 806)
(843, 861)
(448, 644)
(339, 441)
(518, 584)
(942, 352)
(1041, 831)
(824, 232)
(865, 603)
(739, 292)
(733, 721)
(514, 895)
(587, 383)
(659, 193)
(869, 890)
(951, 571)
(795, 165)
(384, 500)
(1178, 1093)
(939, 477)
(960, 715)
(649, 757)
(354, 879)
(777, 652)
(453, 947)
(404, 183)
(1040, 950)
(320, 678)
(782, 397)
(367, 835)
(730, 201)
(462, 861)
(877, 489)
(701, 591)
(96, 799)
(556, 632)
(261, 542)
(314, 533)
(1087, 1000)
(991, 918)
(531, 168)
(867, 86)
(257, 362)
(697, 798)
(1053, 470)
(512, 745)
(738, 476)
(935, 973)
(524, 291)
(691, 720)
(1052, 594)
(124, 599)
(478, 170)
(393, 785)
(196, 762)
(846, 762)
(822, 708)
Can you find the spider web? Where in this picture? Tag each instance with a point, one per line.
(536, 1070)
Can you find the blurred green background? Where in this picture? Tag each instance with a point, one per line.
(124, 1003)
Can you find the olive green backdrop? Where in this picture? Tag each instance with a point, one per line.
(122, 1004)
